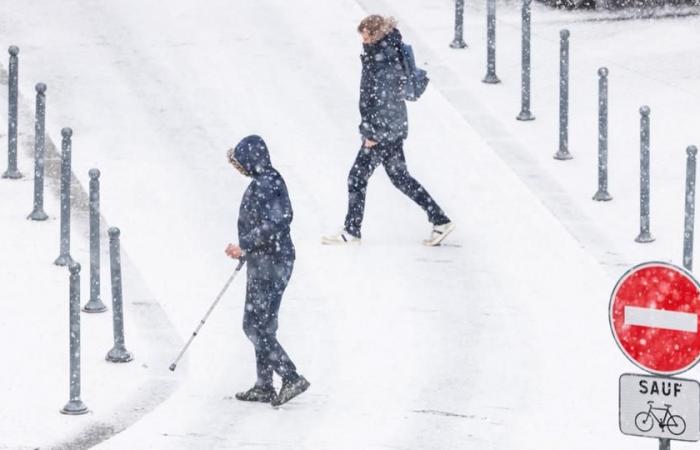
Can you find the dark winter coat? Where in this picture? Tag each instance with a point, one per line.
(266, 212)
(382, 104)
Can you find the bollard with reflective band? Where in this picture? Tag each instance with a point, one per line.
(644, 178)
(39, 153)
(118, 353)
(75, 405)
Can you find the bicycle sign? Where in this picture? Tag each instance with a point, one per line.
(646, 420)
(660, 407)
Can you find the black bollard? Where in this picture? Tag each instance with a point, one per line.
(64, 257)
(13, 96)
(644, 177)
(458, 41)
(689, 228)
(491, 77)
(525, 113)
(563, 153)
(95, 304)
(39, 152)
(75, 405)
(118, 353)
(602, 194)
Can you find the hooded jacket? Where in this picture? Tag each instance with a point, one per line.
(266, 212)
(382, 104)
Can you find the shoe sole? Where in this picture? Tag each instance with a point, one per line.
(326, 241)
(440, 238)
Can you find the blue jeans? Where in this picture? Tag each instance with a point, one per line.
(391, 155)
(267, 278)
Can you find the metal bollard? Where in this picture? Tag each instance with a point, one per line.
(119, 353)
(689, 231)
(13, 94)
(458, 41)
(74, 406)
(602, 195)
(491, 77)
(95, 304)
(563, 153)
(664, 444)
(39, 151)
(64, 258)
(644, 234)
(525, 113)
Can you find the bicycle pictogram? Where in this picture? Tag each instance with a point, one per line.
(645, 420)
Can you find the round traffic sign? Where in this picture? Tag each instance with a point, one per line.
(654, 312)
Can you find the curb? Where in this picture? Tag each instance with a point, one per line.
(140, 306)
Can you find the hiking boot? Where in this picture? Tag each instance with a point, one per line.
(257, 394)
(290, 389)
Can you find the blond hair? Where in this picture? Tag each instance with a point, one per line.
(377, 26)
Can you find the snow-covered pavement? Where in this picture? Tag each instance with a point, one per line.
(497, 340)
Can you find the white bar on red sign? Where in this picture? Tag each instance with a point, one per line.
(659, 318)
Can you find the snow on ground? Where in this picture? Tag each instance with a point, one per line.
(497, 340)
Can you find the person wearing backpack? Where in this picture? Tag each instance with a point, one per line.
(389, 78)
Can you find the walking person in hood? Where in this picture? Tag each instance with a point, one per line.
(383, 128)
(265, 243)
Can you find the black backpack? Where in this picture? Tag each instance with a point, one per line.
(416, 78)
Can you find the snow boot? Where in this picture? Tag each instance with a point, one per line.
(439, 233)
(342, 238)
(290, 389)
(257, 394)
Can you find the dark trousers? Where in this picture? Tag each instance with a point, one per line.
(391, 155)
(267, 279)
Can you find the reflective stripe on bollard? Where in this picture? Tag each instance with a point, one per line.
(75, 405)
(118, 353)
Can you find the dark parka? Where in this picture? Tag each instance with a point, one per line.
(382, 104)
(266, 212)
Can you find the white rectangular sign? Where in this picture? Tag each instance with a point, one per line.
(660, 407)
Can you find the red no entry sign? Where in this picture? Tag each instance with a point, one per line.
(654, 311)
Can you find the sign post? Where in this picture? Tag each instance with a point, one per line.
(654, 313)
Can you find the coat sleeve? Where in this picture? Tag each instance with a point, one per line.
(275, 213)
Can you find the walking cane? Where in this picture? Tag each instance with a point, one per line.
(211, 308)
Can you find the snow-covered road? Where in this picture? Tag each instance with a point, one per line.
(497, 340)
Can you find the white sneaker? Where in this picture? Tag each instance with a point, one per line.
(439, 233)
(342, 238)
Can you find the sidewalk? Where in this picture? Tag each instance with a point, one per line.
(649, 64)
(34, 323)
